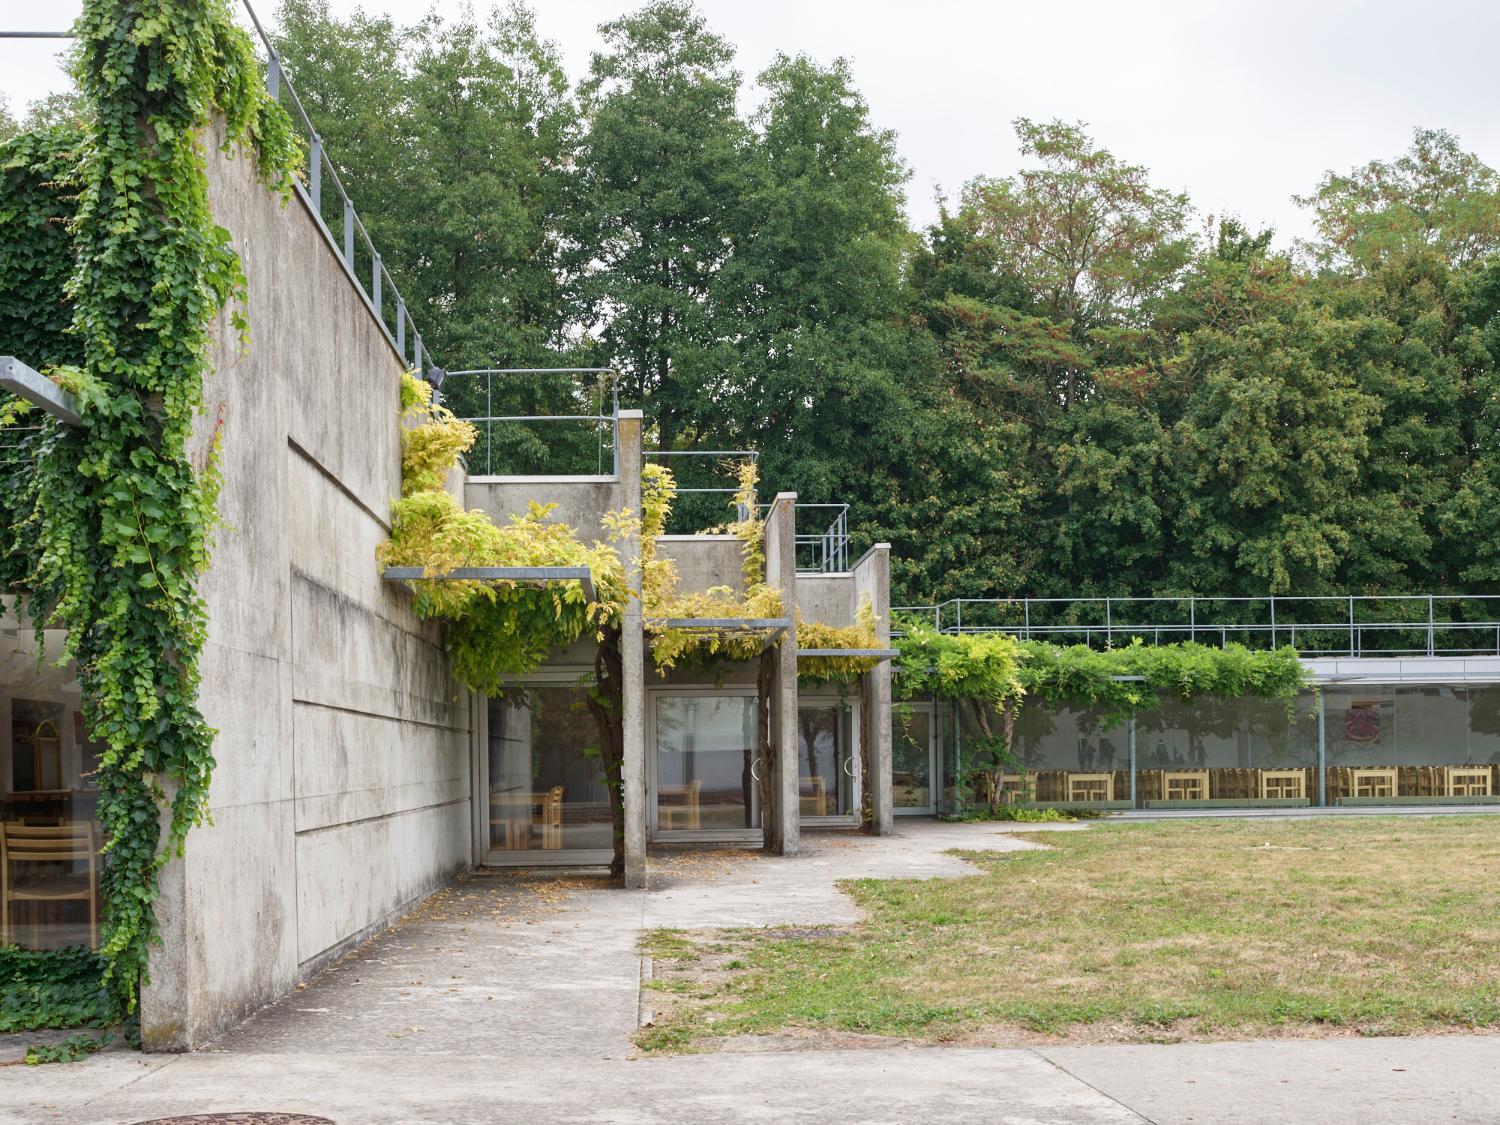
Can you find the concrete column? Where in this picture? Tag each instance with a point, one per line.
(633, 660)
(781, 572)
(872, 580)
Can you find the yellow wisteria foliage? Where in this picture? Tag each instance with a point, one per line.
(661, 600)
(837, 669)
(496, 629)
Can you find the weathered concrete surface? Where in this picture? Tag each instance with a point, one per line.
(513, 999)
(704, 561)
(341, 792)
(1450, 1078)
(633, 662)
(872, 581)
(781, 572)
(582, 502)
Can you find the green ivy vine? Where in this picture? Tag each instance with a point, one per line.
(121, 514)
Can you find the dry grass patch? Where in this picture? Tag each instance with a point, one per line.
(1206, 929)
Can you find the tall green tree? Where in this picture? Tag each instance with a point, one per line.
(1434, 196)
(808, 307)
(661, 171)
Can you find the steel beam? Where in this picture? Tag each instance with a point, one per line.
(40, 391)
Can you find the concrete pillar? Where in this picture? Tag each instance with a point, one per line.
(872, 580)
(781, 572)
(633, 660)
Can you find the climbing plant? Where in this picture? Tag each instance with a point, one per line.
(662, 601)
(120, 512)
(837, 669)
(496, 630)
(992, 673)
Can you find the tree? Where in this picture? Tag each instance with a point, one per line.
(1434, 196)
(1088, 235)
(1274, 433)
(808, 307)
(660, 174)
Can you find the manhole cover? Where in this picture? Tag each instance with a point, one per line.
(243, 1117)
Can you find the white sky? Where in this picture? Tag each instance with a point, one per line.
(1242, 103)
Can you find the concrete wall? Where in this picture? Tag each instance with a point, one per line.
(828, 599)
(342, 790)
(704, 561)
(581, 501)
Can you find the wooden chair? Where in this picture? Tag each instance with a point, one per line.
(1185, 785)
(813, 791)
(1283, 785)
(1468, 781)
(1372, 782)
(1086, 788)
(1017, 787)
(549, 816)
(667, 816)
(22, 845)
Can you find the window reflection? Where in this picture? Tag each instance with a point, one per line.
(547, 786)
(706, 763)
(50, 836)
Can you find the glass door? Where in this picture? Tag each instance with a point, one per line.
(828, 768)
(546, 797)
(705, 773)
(912, 768)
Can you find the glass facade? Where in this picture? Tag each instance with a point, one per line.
(706, 767)
(50, 834)
(547, 789)
(1418, 743)
(913, 770)
(825, 766)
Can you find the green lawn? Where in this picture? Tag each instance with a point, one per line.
(1206, 929)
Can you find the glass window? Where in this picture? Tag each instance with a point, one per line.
(825, 771)
(1066, 755)
(706, 763)
(911, 758)
(1227, 750)
(50, 835)
(547, 784)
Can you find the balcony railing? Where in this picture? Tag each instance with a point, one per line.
(1397, 625)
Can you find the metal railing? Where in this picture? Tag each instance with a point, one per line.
(354, 247)
(1349, 625)
(826, 551)
(728, 456)
(602, 423)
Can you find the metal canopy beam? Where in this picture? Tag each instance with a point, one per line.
(773, 627)
(883, 653)
(523, 575)
(38, 390)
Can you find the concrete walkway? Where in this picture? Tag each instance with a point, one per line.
(503, 999)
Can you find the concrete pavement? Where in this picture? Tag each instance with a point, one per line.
(506, 999)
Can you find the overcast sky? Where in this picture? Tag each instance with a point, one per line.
(1241, 104)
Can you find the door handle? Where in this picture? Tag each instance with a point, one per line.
(753, 763)
(849, 767)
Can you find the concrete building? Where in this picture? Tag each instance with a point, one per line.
(355, 775)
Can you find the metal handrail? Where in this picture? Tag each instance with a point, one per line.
(1441, 628)
(830, 547)
(751, 455)
(488, 418)
(311, 195)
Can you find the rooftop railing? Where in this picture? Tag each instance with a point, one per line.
(1353, 626)
(353, 245)
(826, 551)
(472, 396)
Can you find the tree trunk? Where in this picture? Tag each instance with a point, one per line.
(765, 684)
(606, 703)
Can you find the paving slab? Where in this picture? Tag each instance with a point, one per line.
(1395, 1081)
(877, 1087)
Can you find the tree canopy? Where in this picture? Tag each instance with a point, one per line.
(1070, 384)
